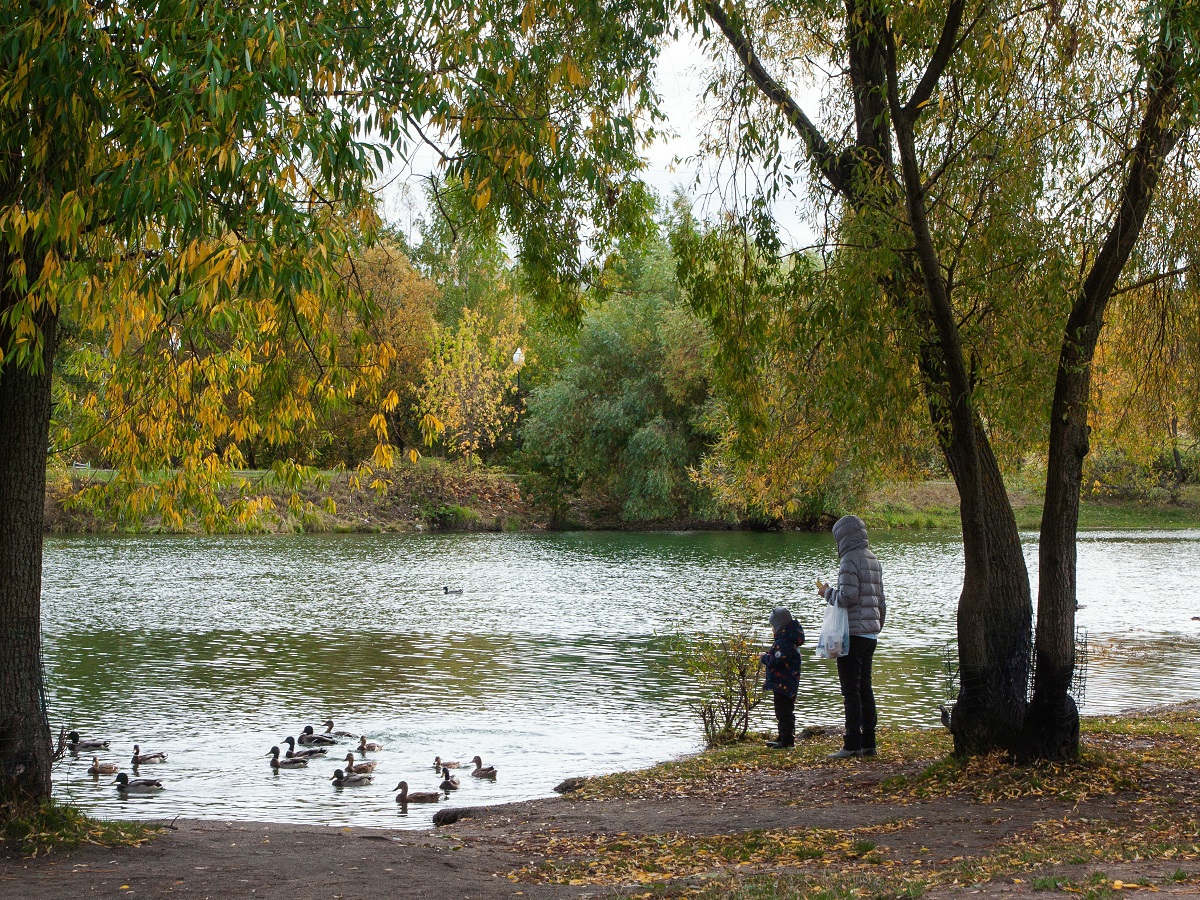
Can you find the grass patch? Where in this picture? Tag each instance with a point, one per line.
(992, 778)
(56, 826)
(732, 768)
(450, 517)
(934, 505)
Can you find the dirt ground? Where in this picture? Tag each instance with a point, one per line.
(683, 813)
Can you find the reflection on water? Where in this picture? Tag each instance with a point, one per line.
(552, 661)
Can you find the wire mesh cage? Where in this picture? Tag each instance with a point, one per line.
(950, 677)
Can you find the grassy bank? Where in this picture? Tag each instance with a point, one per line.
(38, 830)
(912, 821)
(934, 505)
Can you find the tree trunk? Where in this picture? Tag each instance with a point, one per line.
(1052, 725)
(995, 618)
(1180, 475)
(25, 743)
(995, 610)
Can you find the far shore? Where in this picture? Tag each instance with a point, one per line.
(439, 497)
(738, 822)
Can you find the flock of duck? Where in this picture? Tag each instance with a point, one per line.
(309, 745)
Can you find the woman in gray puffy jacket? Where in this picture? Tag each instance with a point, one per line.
(860, 591)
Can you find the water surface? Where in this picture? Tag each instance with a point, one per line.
(552, 662)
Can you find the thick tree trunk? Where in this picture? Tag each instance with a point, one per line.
(995, 608)
(995, 619)
(25, 742)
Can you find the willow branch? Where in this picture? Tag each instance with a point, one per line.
(819, 149)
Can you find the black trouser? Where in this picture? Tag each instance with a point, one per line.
(854, 673)
(785, 714)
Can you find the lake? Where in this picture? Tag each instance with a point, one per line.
(553, 661)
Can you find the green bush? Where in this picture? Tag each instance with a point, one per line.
(727, 670)
(450, 517)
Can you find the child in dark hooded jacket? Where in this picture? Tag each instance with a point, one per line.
(782, 662)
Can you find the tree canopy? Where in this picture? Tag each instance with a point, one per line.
(181, 181)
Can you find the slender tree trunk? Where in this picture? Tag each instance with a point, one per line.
(1180, 475)
(1052, 724)
(25, 743)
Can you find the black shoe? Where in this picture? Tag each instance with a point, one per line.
(867, 751)
(844, 754)
(780, 745)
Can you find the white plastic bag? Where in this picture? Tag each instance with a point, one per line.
(834, 640)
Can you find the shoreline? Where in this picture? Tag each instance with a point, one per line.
(440, 498)
(736, 822)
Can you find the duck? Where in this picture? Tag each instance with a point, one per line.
(99, 768)
(145, 759)
(355, 768)
(294, 763)
(449, 782)
(308, 738)
(308, 753)
(354, 779)
(449, 590)
(439, 763)
(127, 785)
(419, 797)
(75, 745)
(328, 725)
(365, 746)
(482, 771)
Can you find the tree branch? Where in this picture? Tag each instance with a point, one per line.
(827, 159)
(942, 55)
(1153, 279)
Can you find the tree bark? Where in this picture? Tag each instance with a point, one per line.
(25, 742)
(1052, 723)
(995, 609)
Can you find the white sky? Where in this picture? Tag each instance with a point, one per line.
(680, 82)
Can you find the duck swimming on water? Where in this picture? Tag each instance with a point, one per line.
(75, 745)
(99, 768)
(363, 767)
(419, 797)
(126, 785)
(308, 739)
(365, 746)
(482, 771)
(145, 759)
(439, 763)
(307, 753)
(328, 725)
(449, 782)
(354, 779)
(293, 763)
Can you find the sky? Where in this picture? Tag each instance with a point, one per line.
(680, 80)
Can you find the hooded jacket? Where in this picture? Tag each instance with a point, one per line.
(860, 578)
(782, 660)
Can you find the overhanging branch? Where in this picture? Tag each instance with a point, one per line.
(819, 149)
